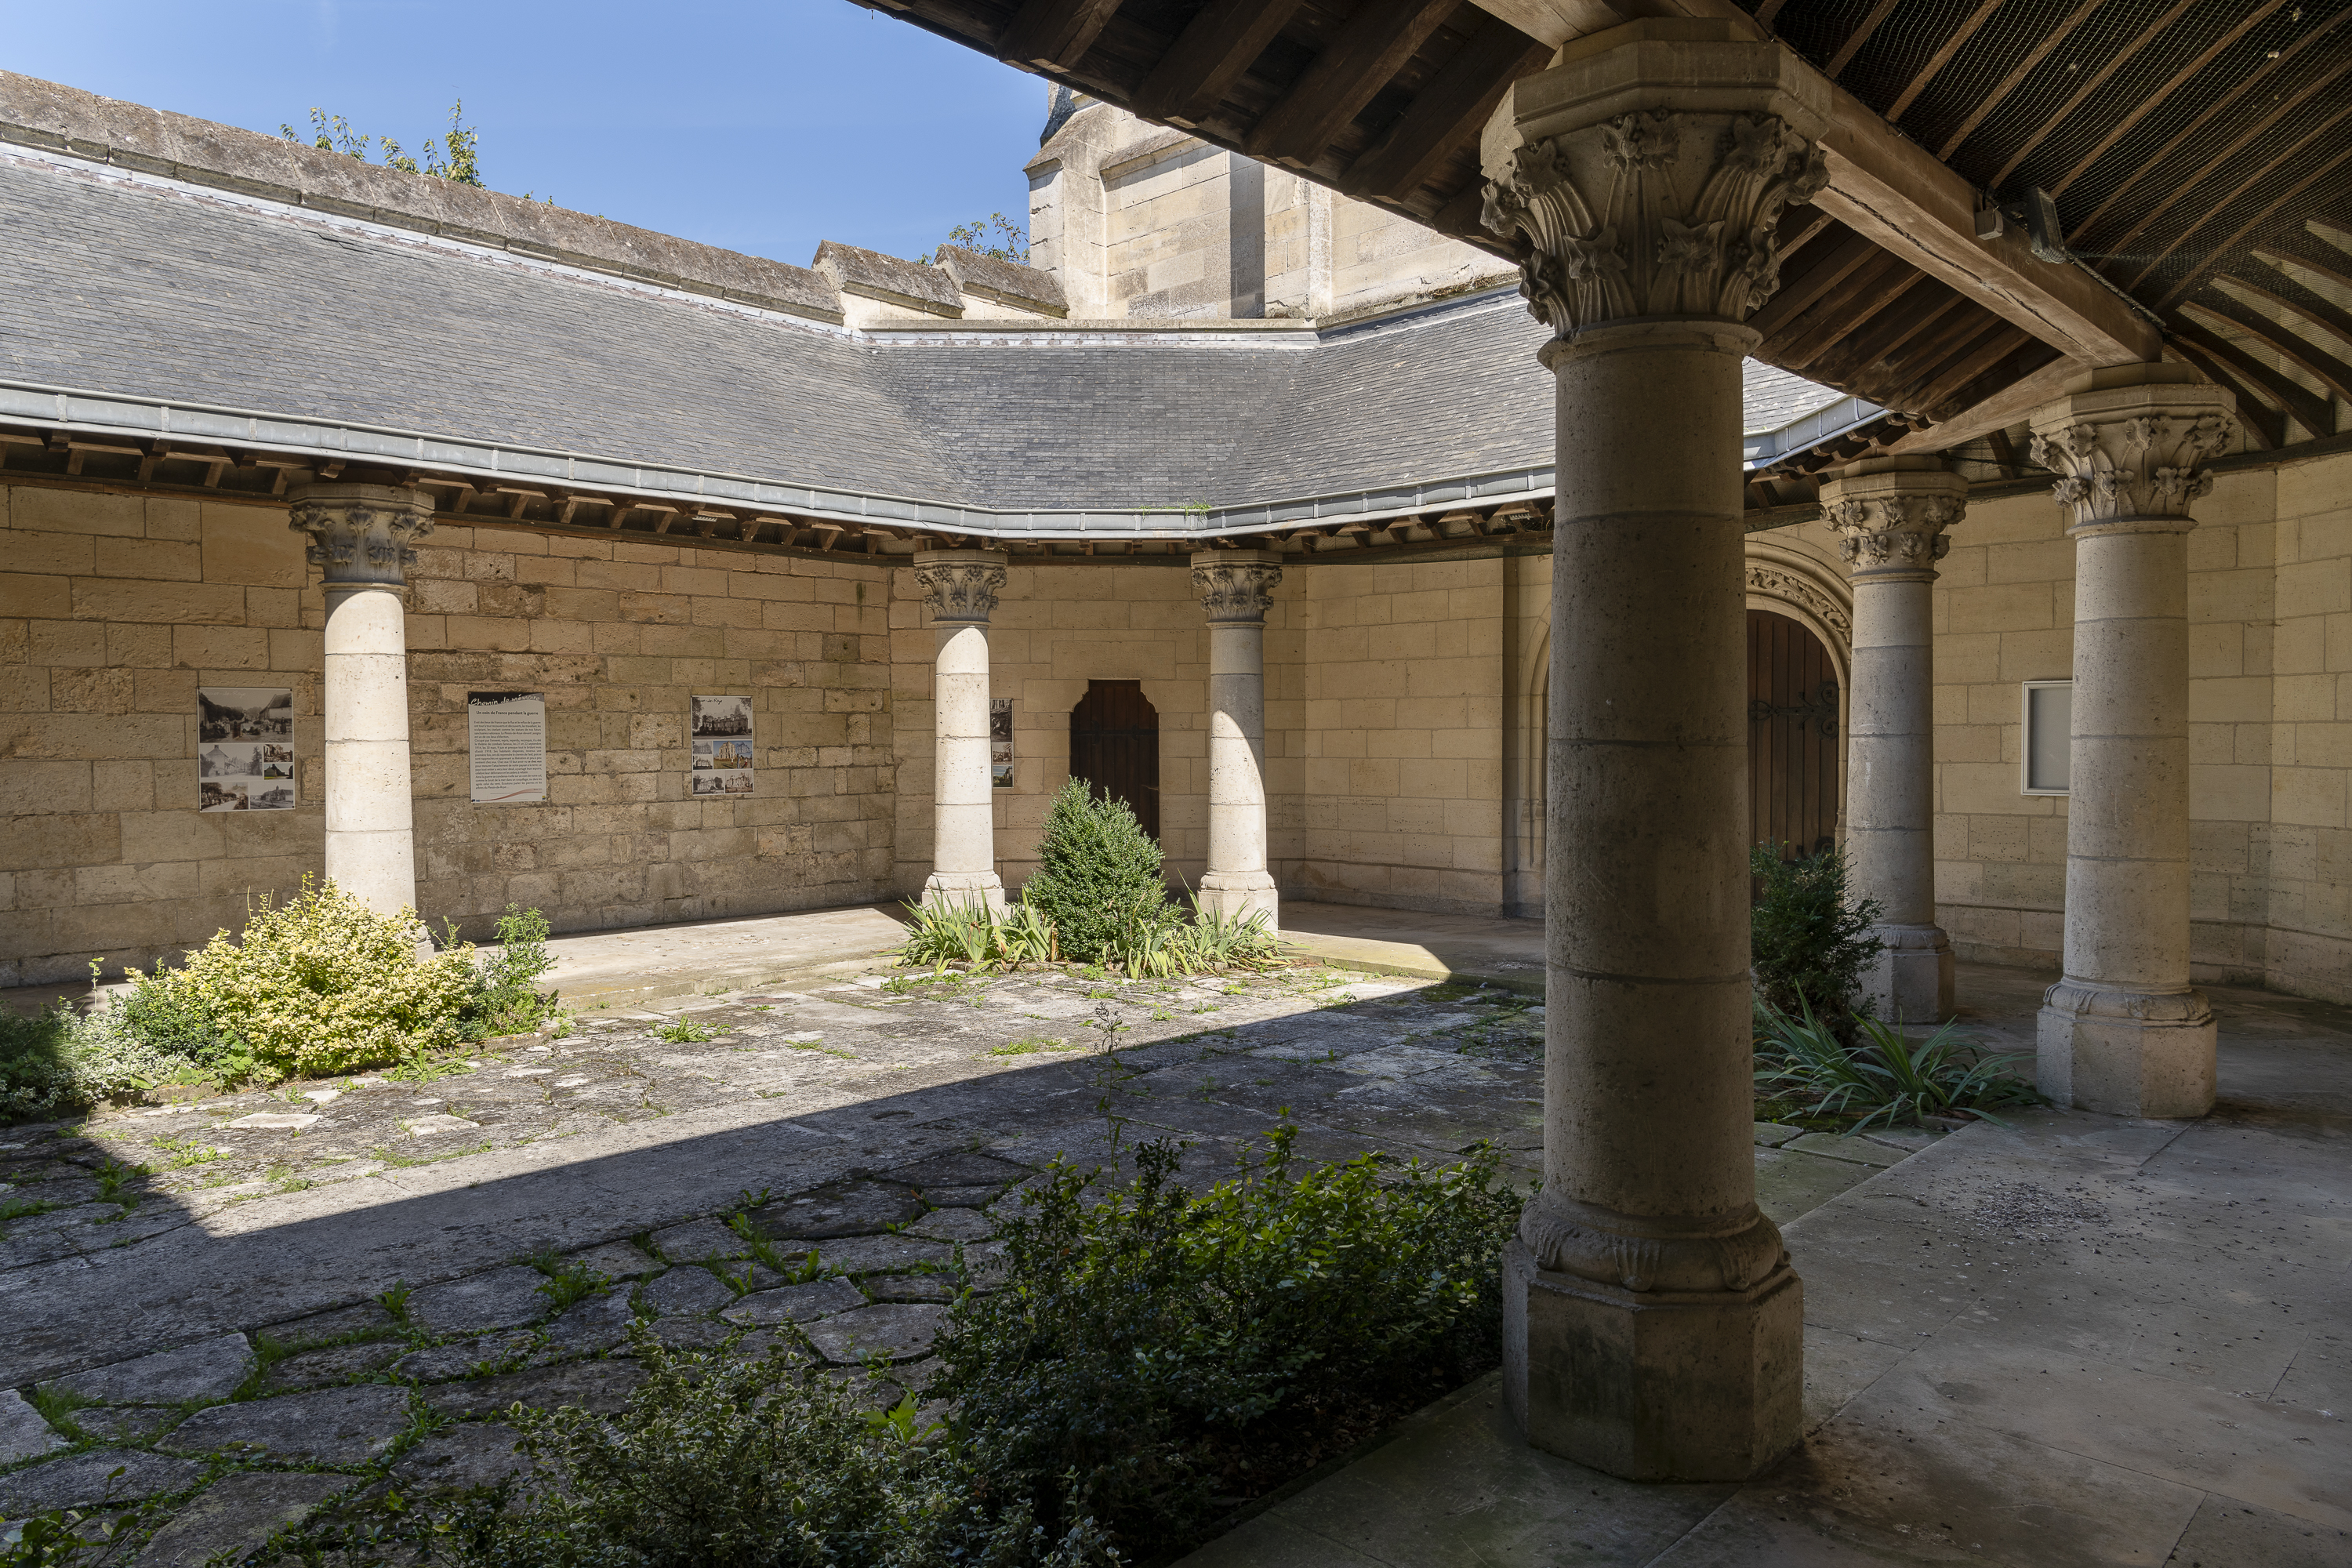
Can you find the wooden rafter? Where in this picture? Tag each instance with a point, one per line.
(2309, 409)
(2310, 253)
(1446, 115)
(2018, 73)
(2116, 60)
(2158, 163)
(2281, 289)
(2151, 100)
(2219, 252)
(1054, 35)
(1812, 272)
(2315, 360)
(2267, 421)
(1876, 285)
(1870, 24)
(1920, 312)
(1936, 62)
(1973, 361)
(1215, 48)
(1362, 57)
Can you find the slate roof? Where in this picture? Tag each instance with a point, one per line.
(142, 288)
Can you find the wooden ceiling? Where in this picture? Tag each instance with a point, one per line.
(2188, 140)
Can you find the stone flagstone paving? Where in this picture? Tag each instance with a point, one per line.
(243, 1305)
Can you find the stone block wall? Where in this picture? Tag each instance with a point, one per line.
(2306, 861)
(114, 609)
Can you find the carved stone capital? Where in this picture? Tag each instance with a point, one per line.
(960, 585)
(1891, 512)
(2130, 447)
(1235, 585)
(360, 534)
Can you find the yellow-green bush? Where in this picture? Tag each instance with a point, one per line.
(320, 984)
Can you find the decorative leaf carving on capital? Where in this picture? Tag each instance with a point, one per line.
(959, 590)
(1652, 213)
(361, 540)
(2143, 465)
(1893, 531)
(1236, 591)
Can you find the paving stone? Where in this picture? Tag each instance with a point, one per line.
(615, 1260)
(688, 1291)
(79, 1481)
(470, 1454)
(795, 1303)
(23, 1433)
(439, 1124)
(894, 1331)
(443, 1362)
(1856, 1151)
(278, 1120)
(861, 1390)
(690, 1334)
(884, 1254)
(697, 1239)
(209, 1369)
(911, 1286)
(596, 1323)
(236, 1514)
(953, 1225)
(64, 1191)
(336, 1363)
(1772, 1135)
(319, 1327)
(500, 1299)
(959, 1169)
(325, 1427)
(602, 1386)
(854, 1208)
(961, 1197)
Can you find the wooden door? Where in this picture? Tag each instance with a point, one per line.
(1115, 747)
(1793, 738)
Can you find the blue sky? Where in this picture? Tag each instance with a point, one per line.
(760, 125)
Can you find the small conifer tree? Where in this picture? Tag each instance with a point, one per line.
(1808, 944)
(1099, 874)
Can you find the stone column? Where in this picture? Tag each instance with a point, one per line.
(959, 590)
(1653, 1326)
(2123, 1033)
(359, 535)
(1893, 512)
(1235, 586)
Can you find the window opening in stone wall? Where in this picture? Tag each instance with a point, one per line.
(1115, 747)
(2048, 707)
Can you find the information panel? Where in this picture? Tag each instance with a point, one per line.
(505, 742)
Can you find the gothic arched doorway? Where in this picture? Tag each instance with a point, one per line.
(1115, 747)
(1793, 736)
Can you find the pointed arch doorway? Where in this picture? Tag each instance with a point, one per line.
(1115, 747)
(1794, 738)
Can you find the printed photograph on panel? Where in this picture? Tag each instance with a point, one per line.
(722, 716)
(245, 748)
(708, 782)
(1000, 742)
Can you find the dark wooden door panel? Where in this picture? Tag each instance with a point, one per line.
(1115, 747)
(1793, 736)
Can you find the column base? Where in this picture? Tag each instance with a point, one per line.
(1238, 894)
(963, 887)
(1911, 982)
(2125, 1053)
(1654, 1386)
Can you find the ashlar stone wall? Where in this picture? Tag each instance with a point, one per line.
(114, 609)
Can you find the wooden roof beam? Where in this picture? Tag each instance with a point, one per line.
(1810, 275)
(2147, 101)
(1362, 57)
(2316, 362)
(1219, 43)
(2266, 422)
(1446, 115)
(2309, 252)
(2309, 409)
(2283, 290)
(1054, 35)
(2116, 60)
(1934, 64)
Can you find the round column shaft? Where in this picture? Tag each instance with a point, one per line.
(2124, 1032)
(359, 535)
(1653, 1326)
(1893, 512)
(1235, 586)
(959, 590)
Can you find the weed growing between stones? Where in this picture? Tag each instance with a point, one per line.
(685, 1031)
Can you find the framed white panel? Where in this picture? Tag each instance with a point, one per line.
(2049, 712)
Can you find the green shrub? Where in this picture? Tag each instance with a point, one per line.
(1885, 1078)
(55, 1062)
(1807, 945)
(320, 984)
(1097, 878)
(509, 1000)
(1159, 1348)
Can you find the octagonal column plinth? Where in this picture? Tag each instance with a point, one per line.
(1235, 586)
(960, 589)
(1892, 513)
(359, 536)
(1653, 1326)
(2124, 1032)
